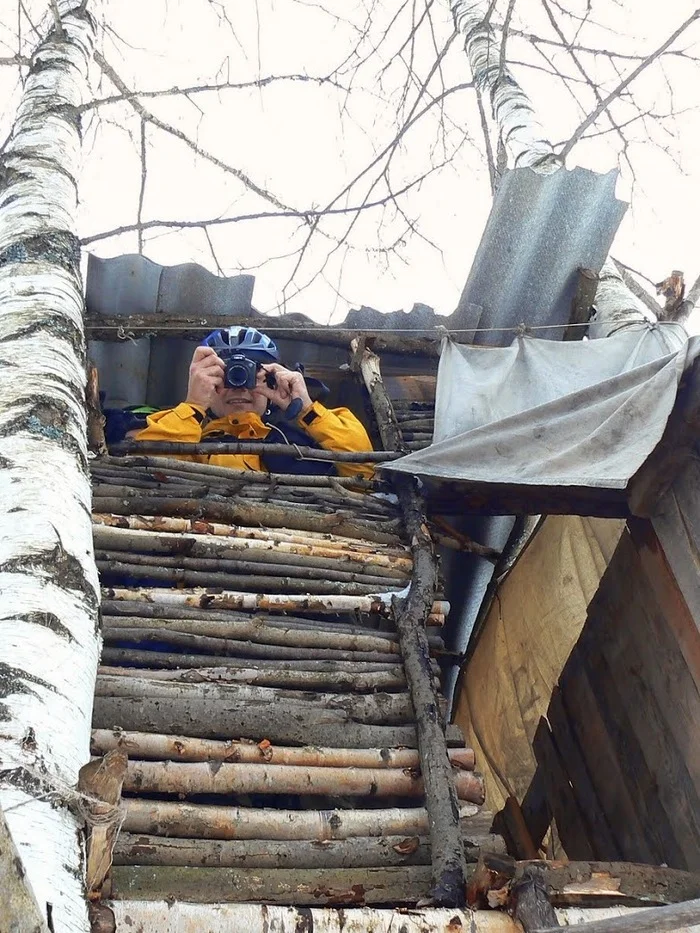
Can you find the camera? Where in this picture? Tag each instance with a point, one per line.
(241, 373)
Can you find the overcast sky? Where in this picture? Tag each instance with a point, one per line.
(303, 141)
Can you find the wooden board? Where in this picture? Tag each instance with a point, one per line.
(658, 700)
(569, 818)
(599, 833)
(600, 750)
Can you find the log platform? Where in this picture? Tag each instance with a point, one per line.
(254, 673)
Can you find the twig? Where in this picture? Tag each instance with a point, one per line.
(593, 116)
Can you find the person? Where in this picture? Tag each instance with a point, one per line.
(239, 389)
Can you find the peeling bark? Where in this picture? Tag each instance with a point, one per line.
(48, 617)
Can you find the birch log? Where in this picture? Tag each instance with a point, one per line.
(412, 615)
(340, 886)
(519, 129)
(147, 745)
(616, 306)
(285, 725)
(48, 636)
(360, 851)
(183, 778)
(179, 917)
(193, 820)
(340, 681)
(199, 598)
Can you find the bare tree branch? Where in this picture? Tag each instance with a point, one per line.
(593, 116)
(178, 134)
(205, 88)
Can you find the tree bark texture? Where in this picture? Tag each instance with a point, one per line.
(372, 708)
(253, 447)
(252, 514)
(252, 629)
(519, 129)
(199, 663)
(340, 681)
(236, 570)
(330, 543)
(118, 571)
(268, 602)
(190, 820)
(215, 719)
(226, 647)
(338, 886)
(616, 306)
(363, 851)
(144, 745)
(171, 467)
(366, 364)
(180, 917)
(48, 637)
(412, 614)
(167, 777)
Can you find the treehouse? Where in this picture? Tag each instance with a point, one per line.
(330, 703)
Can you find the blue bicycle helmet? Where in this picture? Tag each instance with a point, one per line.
(246, 340)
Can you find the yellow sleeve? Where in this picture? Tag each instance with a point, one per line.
(338, 429)
(184, 423)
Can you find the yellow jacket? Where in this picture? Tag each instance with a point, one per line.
(332, 429)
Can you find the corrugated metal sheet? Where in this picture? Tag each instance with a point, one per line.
(541, 230)
(153, 370)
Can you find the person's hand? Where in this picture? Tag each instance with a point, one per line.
(207, 372)
(288, 386)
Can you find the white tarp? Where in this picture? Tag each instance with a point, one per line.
(549, 413)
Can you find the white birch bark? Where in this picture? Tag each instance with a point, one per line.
(518, 127)
(166, 917)
(48, 613)
(526, 145)
(616, 306)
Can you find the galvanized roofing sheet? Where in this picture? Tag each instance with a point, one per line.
(541, 230)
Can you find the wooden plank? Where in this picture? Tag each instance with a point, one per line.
(509, 499)
(614, 694)
(656, 691)
(599, 749)
(569, 819)
(535, 808)
(677, 611)
(603, 842)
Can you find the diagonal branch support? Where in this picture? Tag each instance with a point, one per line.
(447, 852)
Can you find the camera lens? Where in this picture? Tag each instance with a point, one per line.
(237, 375)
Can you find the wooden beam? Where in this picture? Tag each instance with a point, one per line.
(508, 499)
(447, 853)
(366, 364)
(19, 911)
(287, 327)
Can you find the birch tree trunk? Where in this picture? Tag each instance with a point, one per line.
(616, 306)
(48, 614)
(526, 145)
(519, 129)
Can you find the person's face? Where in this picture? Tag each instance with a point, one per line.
(236, 401)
